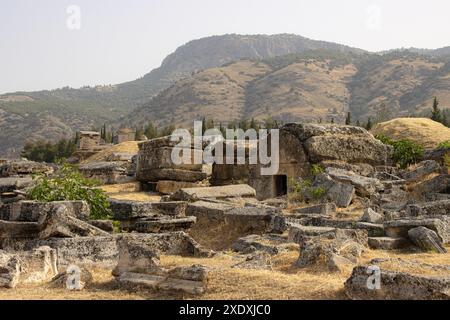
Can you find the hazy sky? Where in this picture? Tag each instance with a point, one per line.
(43, 44)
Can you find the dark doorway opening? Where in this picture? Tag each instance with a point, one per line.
(280, 185)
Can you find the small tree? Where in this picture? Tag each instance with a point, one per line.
(436, 112)
(369, 123)
(348, 120)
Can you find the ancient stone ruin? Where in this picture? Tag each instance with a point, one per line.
(365, 204)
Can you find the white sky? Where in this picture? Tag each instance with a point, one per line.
(121, 40)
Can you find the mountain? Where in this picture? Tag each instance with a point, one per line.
(229, 77)
(50, 115)
(313, 86)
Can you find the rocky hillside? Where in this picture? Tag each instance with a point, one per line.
(314, 86)
(287, 76)
(57, 113)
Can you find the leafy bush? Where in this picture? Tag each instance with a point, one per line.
(302, 190)
(69, 184)
(444, 145)
(385, 139)
(317, 169)
(406, 152)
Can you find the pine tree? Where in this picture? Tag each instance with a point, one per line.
(348, 120)
(369, 123)
(358, 124)
(436, 112)
(332, 119)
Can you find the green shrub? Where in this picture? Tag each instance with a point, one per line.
(318, 193)
(302, 190)
(407, 152)
(444, 145)
(69, 184)
(385, 139)
(317, 169)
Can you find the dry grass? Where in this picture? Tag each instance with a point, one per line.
(420, 130)
(124, 147)
(285, 281)
(136, 196)
(124, 187)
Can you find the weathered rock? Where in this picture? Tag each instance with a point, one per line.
(319, 250)
(363, 186)
(371, 216)
(136, 256)
(195, 272)
(66, 279)
(163, 224)
(400, 228)
(426, 239)
(9, 270)
(270, 244)
(220, 192)
(60, 223)
(171, 208)
(126, 210)
(172, 174)
(209, 210)
(429, 209)
(23, 168)
(421, 170)
(340, 193)
(387, 243)
(259, 260)
(105, 225)
(32, 211)
(169, 187)
(397, 285)
(373, 229)
(158, 282)
(13, 229)
(324, 208)
(338, 142)
(33, 266)
(38, 265)
(14, 183)
(106, 172)
(438, 184)
(337, 263)
(298, 232)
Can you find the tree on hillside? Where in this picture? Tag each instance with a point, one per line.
(348, 120)
(369, 123)
(151, 131)
(436, 112)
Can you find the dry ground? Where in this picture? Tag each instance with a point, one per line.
(285, 281)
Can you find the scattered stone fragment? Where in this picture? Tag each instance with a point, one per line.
(259, 260)
(220, 192)
(421, 170)
(324, 209)
(60, 223)
(363, 186)
(340, 193)
(398, 285)
(387, 243)
(426, 239)
(271, 244)
(371, 216)
(400, 228)
(65, 280)
(163, 224)
(105, 225)
(429, 209)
